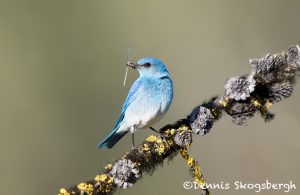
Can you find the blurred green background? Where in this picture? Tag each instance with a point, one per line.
(61, 77)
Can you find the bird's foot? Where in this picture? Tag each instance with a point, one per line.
(133, 147)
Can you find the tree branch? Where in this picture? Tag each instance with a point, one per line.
(271, 79)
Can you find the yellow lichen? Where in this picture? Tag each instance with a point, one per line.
(160, 149)
(63, 191)
(110, 180)
(196, 168)
(107, 185)
(169, 132)
(190, 162)
(183, 152)
(159, 146)
(87, 188)
(152, 138)
(146, 148)
(106, 182)
(198, 176)
(256, 103)
(267, 105)
(215, 113)
(170, 142)
(182, 132)
(101, 177)
(184, 128)
(223, 102)
(172, 131)
(108, 167)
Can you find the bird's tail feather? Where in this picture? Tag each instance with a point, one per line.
(111, 139)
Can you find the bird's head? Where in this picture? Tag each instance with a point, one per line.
(150, 67)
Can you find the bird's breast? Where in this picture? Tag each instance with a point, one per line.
(157, 100)
(150, 105)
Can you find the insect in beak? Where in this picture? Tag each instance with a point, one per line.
(132, 65)
(131, 53)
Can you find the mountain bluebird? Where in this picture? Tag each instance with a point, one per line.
(148, 100)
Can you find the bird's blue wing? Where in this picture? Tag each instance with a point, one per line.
(132, 94)
(114, 137)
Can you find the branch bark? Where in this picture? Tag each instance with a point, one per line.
(271, 80)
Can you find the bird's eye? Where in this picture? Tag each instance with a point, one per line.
(147, 65)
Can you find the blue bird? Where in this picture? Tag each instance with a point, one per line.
(148, 100)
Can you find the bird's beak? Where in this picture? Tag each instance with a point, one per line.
(132, 65)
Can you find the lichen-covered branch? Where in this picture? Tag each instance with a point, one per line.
(271, 79)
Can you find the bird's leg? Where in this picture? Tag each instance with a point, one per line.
(132, 131)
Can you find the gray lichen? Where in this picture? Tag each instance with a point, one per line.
(201, 120)
(294, 56)
(267, 69)
(240, 88)
(125, 173)
(241, 112)
(279, 91)
(183, 138)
